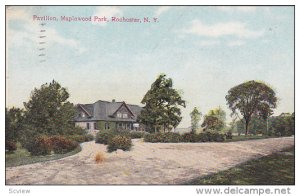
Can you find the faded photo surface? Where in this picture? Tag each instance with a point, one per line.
(150, 95)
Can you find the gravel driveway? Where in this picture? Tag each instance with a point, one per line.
(146, 163)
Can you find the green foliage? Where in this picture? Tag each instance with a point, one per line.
(41, 145)
(190, 137)
(163, 137)
(48, 112)
(171, 137)
(14, 124)
(274, 169)
(79, 135)
(195, 119)
(137, 134)
(282, 125)
(10, 146)
(228, 135)
(210, 136)
(162, 103)
(214, 120)
(119, 142)
(252, 98)
(89, 137)
(103, 137)
(61, 145)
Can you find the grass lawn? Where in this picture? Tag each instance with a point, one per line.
(22, 157)
(275, 169)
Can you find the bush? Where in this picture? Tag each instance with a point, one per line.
(153, 137)
(217, 137)
(190, 137)
(10, 146)
(211, 137)
(169, 137)
(204, 137)
(103, 137)
(136, 134)
(228, 135)
(89, 137)
(119, 142)
(77, 138)
(61, 145)
(40, 145)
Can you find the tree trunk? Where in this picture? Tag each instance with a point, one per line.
(247, 127)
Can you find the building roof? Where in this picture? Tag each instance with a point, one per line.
(105, 110)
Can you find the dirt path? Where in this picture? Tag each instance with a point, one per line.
(146, 163)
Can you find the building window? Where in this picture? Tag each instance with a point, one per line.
(95, 126)
(119, 115)
(88, 125)
(125, 115)
(106, 126)
(82, 115)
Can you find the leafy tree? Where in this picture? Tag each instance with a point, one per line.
(214, 119)
(48, 111)
(162, 103)
(256, 126)
(195, 118)
(282, 125)
(251, 98)
(14, 123)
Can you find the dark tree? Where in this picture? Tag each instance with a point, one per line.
(162, 103)
(195, 118)
(252, 98)
(214, 119)
(48, 111)
(14, 123)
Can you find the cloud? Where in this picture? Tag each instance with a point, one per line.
(236, 29)
(29, 31)
(236, 8)
(209, 43)
(235, 43)
(161, 10)
(108, 12)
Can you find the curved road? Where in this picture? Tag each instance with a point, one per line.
(146, 163)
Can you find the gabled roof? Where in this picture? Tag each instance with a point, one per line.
(105, 110)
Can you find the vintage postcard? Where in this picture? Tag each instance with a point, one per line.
(150, 95)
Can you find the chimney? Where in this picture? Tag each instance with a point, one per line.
(113, 101)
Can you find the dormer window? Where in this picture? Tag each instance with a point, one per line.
(119, 114)
(82, 115)
(125, 115)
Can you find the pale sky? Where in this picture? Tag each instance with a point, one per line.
(206, 50)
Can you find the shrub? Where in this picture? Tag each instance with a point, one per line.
(77, 138)
(190, 137)
(171, 137)
(228, 135)
(217, 137)
(89, 137)
(154, 137)
(99, 157)
(136, 134)
(204, 137)
(10, 146)
(119, 142)
(103, 137)
(40, 145)
(61, 145)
